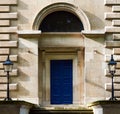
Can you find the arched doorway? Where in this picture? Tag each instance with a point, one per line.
(61, 56)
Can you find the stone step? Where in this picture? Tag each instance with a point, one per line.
(60, 111)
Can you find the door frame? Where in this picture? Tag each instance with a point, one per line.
(46, 76)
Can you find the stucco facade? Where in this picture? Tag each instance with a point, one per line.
(31, 49)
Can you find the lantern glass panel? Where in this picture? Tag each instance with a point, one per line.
(8, 68)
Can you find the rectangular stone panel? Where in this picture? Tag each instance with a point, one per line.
(8, 43)
(112, 29)
(111, 2)
(8, 30)
(8, 15)
(117, 94)
(116, 36)
(3, 80)
(3, 87)
(116, 58)
(116, 22)
(3, 94)
(116, 51)
(118, 65)
(113, 44)
(111, 15)
(4, 23)
(4, 51)
(4, 8)
(108, 87)
(117, 79)
(116, 74)
(115, 8)
(4, 36)
(4, 57)
(13, 73)
(8, 2)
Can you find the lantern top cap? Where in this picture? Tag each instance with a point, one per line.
(112, 62)
(8, 61)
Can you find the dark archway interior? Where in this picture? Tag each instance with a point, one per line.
(61, 21)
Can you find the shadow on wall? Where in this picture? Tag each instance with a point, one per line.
(96, 22)
(22, 8)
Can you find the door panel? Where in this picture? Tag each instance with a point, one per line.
(61, 82)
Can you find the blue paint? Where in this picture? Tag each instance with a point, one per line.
(61, 86)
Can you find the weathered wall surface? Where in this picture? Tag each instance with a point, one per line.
(21, 14)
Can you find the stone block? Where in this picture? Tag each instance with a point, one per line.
(4, 8)
(3, 94)
(113, 44)
(115, 8)
(3, 80)
(108, 87)
(8, 15)
(116, 74)
(4, 36)
(117, 80)
(111, 15)
(4, 23)
(4, 51)
(8, 43)
(115, 22)
(12, 57)
(116, 58)
(13, 73)
(8, 30)
(116, 51)
(118, 65)
(13, 87)
(117, 94)
(116, 36)
(112, 29)
(8, 2)
(111, 2)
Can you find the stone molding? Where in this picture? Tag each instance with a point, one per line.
(61, 6)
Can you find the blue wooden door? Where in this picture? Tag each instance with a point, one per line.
(61, 82)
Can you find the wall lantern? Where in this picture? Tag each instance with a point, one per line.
(112, 69)
(8, 66)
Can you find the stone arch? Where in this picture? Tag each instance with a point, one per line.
(64, 7)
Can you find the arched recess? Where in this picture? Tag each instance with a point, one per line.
(64, 7)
